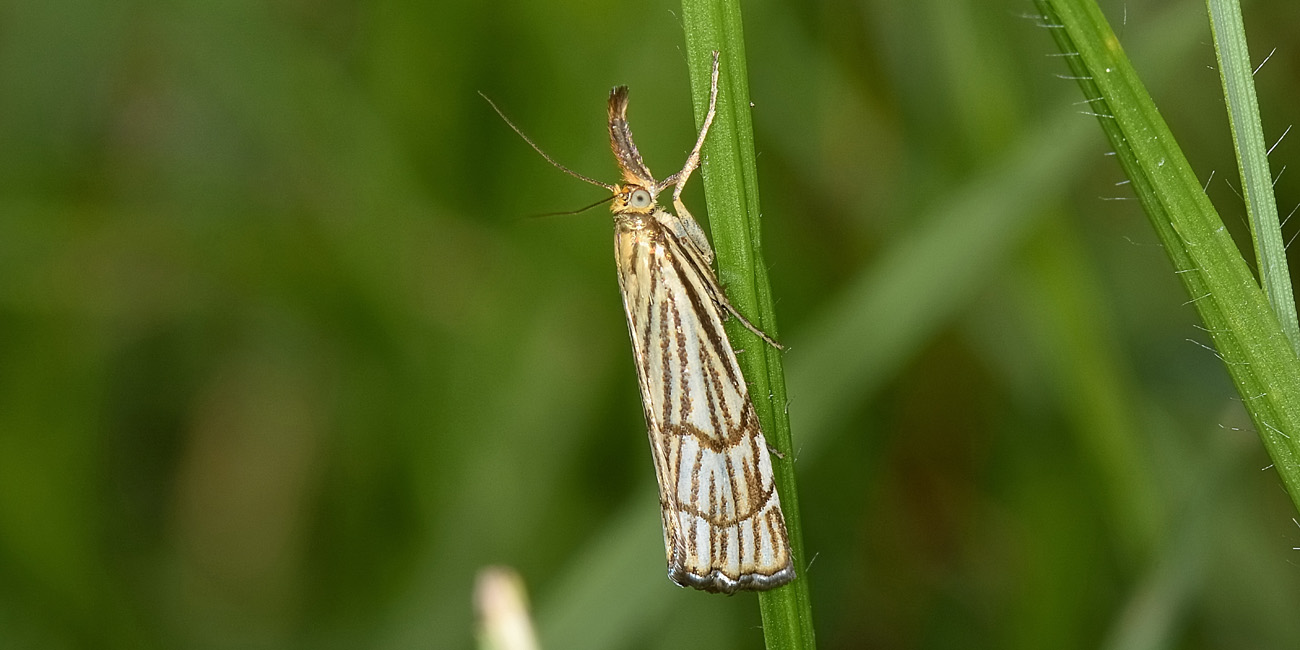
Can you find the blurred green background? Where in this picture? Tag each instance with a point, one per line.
(283, 362)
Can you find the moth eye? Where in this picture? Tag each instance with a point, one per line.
(639, 199)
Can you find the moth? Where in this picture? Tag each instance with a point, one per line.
(722, 521)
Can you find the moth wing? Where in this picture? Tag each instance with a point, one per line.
(723, 526)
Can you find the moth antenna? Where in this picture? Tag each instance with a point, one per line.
(568, 212)
(544, 154)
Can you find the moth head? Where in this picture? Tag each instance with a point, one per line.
(633, 198)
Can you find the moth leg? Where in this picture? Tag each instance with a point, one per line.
(694, 233)
(679, 180)
(703, 259)
(726, 304)
(688, 230)
(693, 161)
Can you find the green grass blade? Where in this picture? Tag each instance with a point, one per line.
(1245, 331)
(730, 176)
(1252, 158)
